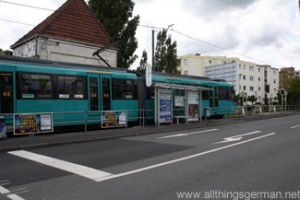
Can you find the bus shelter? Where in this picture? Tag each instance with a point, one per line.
(174, 102)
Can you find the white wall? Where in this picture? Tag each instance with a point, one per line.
(64, 51)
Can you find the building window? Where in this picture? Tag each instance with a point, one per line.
(251, 78)
(210, 62)
(244, 87)
(251, 68)
(258, 88)
(258, 78)
(244, 77)
(251, 88)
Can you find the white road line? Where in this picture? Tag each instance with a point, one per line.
(181, 159)
(186, 134)
(80, 170)
(9, 194)
(295, 126)
(4, 190)
(15, 197)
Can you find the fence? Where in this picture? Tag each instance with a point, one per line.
(143, 117)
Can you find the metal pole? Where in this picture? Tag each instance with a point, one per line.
(153, 67)
(85, 121)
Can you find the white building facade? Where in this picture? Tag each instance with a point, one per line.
(261, 81)
(195, 64)
(54, 49)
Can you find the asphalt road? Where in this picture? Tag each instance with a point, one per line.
(248, 160)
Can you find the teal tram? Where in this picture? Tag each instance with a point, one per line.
(78, 93)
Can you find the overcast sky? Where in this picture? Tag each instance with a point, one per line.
(260, 31)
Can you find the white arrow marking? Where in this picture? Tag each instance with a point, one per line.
(186, 134)
(237, 137)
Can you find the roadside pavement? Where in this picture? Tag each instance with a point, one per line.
(40, 140)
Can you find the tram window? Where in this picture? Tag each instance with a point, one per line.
(205, 95)
(71, 87)
(124, 89)
(225, 93)
(35, 86)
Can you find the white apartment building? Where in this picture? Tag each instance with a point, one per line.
(248, 78)
(271, 80)
(195, 64)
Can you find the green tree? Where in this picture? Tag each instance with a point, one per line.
(293, 96)
(143, 63)
(6, 52)
(117, 18)
(165, 53)
(252, 99)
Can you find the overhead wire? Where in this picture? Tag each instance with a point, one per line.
(145, 26)
(25, 5)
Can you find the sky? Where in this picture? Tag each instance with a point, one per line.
(259, 31)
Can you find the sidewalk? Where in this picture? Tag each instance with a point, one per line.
(27, 142)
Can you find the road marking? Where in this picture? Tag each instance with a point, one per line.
(4, 190)
(80, 170)
(15, 197)
(181, 159)
(186, 134)
(236, 137)
(9, 194)
(295, 126)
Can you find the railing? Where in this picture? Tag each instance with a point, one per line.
(143, 117)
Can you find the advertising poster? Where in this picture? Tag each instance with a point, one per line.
(112, 119)
(179, 101)
(193, 106)
(25, 124)
(2, 127)
(165, 108)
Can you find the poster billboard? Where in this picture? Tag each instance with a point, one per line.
(165, 108)
(193, 109)
(32, 123)
(2, 127)
(111, 119)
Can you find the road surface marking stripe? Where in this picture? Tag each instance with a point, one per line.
(186, 134)
(3, 190)
(9, 195)
(80, 170)
(15, 197)
(296, 126)
(181, 159)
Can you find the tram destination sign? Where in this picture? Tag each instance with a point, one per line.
(32, 123)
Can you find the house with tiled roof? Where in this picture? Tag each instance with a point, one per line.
(71, 34)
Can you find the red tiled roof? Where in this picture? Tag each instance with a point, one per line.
(73, 21)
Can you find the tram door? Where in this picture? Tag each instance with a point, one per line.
(106, 94)
(100, 93)
(216, 93)
(6, 91)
